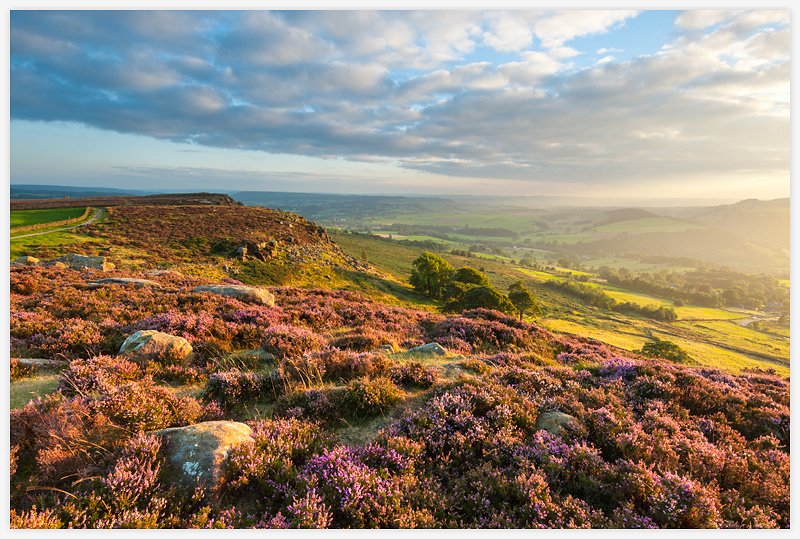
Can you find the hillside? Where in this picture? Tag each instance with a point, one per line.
(495, 423)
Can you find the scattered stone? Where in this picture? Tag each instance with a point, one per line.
(197, 455)
(27, 261)
(554, 422)
(127, 280)
(430, 348)
(247, 294)
(150, 345)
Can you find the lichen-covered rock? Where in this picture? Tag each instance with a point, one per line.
(27, 261)
(249, 294)
(430, 348)
(76, 261)
(150, 345)
(197, 455)
(554, 422)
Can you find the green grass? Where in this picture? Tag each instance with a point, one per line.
(35, 217)
(23, 391)
(18, 246)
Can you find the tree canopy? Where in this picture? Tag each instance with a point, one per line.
(523, 300)
(430, 275)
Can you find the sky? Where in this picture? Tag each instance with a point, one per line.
(616, 103)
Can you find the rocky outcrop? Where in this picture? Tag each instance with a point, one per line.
(555, 422)
(248, 294)
(262, 251)
(197, 455)
(150, 345)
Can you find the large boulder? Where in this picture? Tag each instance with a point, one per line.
(197, 455)
(249, 294)
(26, 261)
(555, 422)
(76, 261)
(150, 345)
(430, 348)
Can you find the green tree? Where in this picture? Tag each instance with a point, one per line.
(523, 300)
(666, 350)
(482, 297)
(462, 280)
(430, 275)
(469, 275)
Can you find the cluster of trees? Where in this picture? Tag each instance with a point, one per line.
(598, 298)
(467, 288)
(706, 287)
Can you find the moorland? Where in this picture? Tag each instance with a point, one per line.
(649, 390)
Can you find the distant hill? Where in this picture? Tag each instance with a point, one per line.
(27, 191)
(331, 207)
(762, 222)
(625, 214)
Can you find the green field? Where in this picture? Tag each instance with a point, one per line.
(35, 217)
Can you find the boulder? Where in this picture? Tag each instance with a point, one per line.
(247, 294)
(27, 261)
(430, 348)
(127, 280)
(149, 345)
(76, 261)
(197, 455)
(554, 422)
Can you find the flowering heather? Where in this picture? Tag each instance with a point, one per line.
(644, 443)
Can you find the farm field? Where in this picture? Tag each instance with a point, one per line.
(35, 217)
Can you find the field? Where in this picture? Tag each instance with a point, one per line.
(349, 435)
(35, 217)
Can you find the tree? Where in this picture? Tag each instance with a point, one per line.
(462, 280)
(522, 299)
(666, 350)
(482, 297)
(430, 275)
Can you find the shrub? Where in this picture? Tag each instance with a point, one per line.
(235, 387)
(371, 396)
(413, 374)
(100, 374)
(284, 341)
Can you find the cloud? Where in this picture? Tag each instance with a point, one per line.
(461, 93)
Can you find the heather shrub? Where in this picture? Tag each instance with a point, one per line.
(264, 475)
(344, 365)
(145, 406)
(320, 405)
(361, 340)
(284, 341)
(21, 370)
(370, 396)
(235, 387)
(56, 436)
(358, 496)
(413, 374)
(35, 519)
(176, 374)
(99, 374)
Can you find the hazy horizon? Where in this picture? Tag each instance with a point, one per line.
(640, 105)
